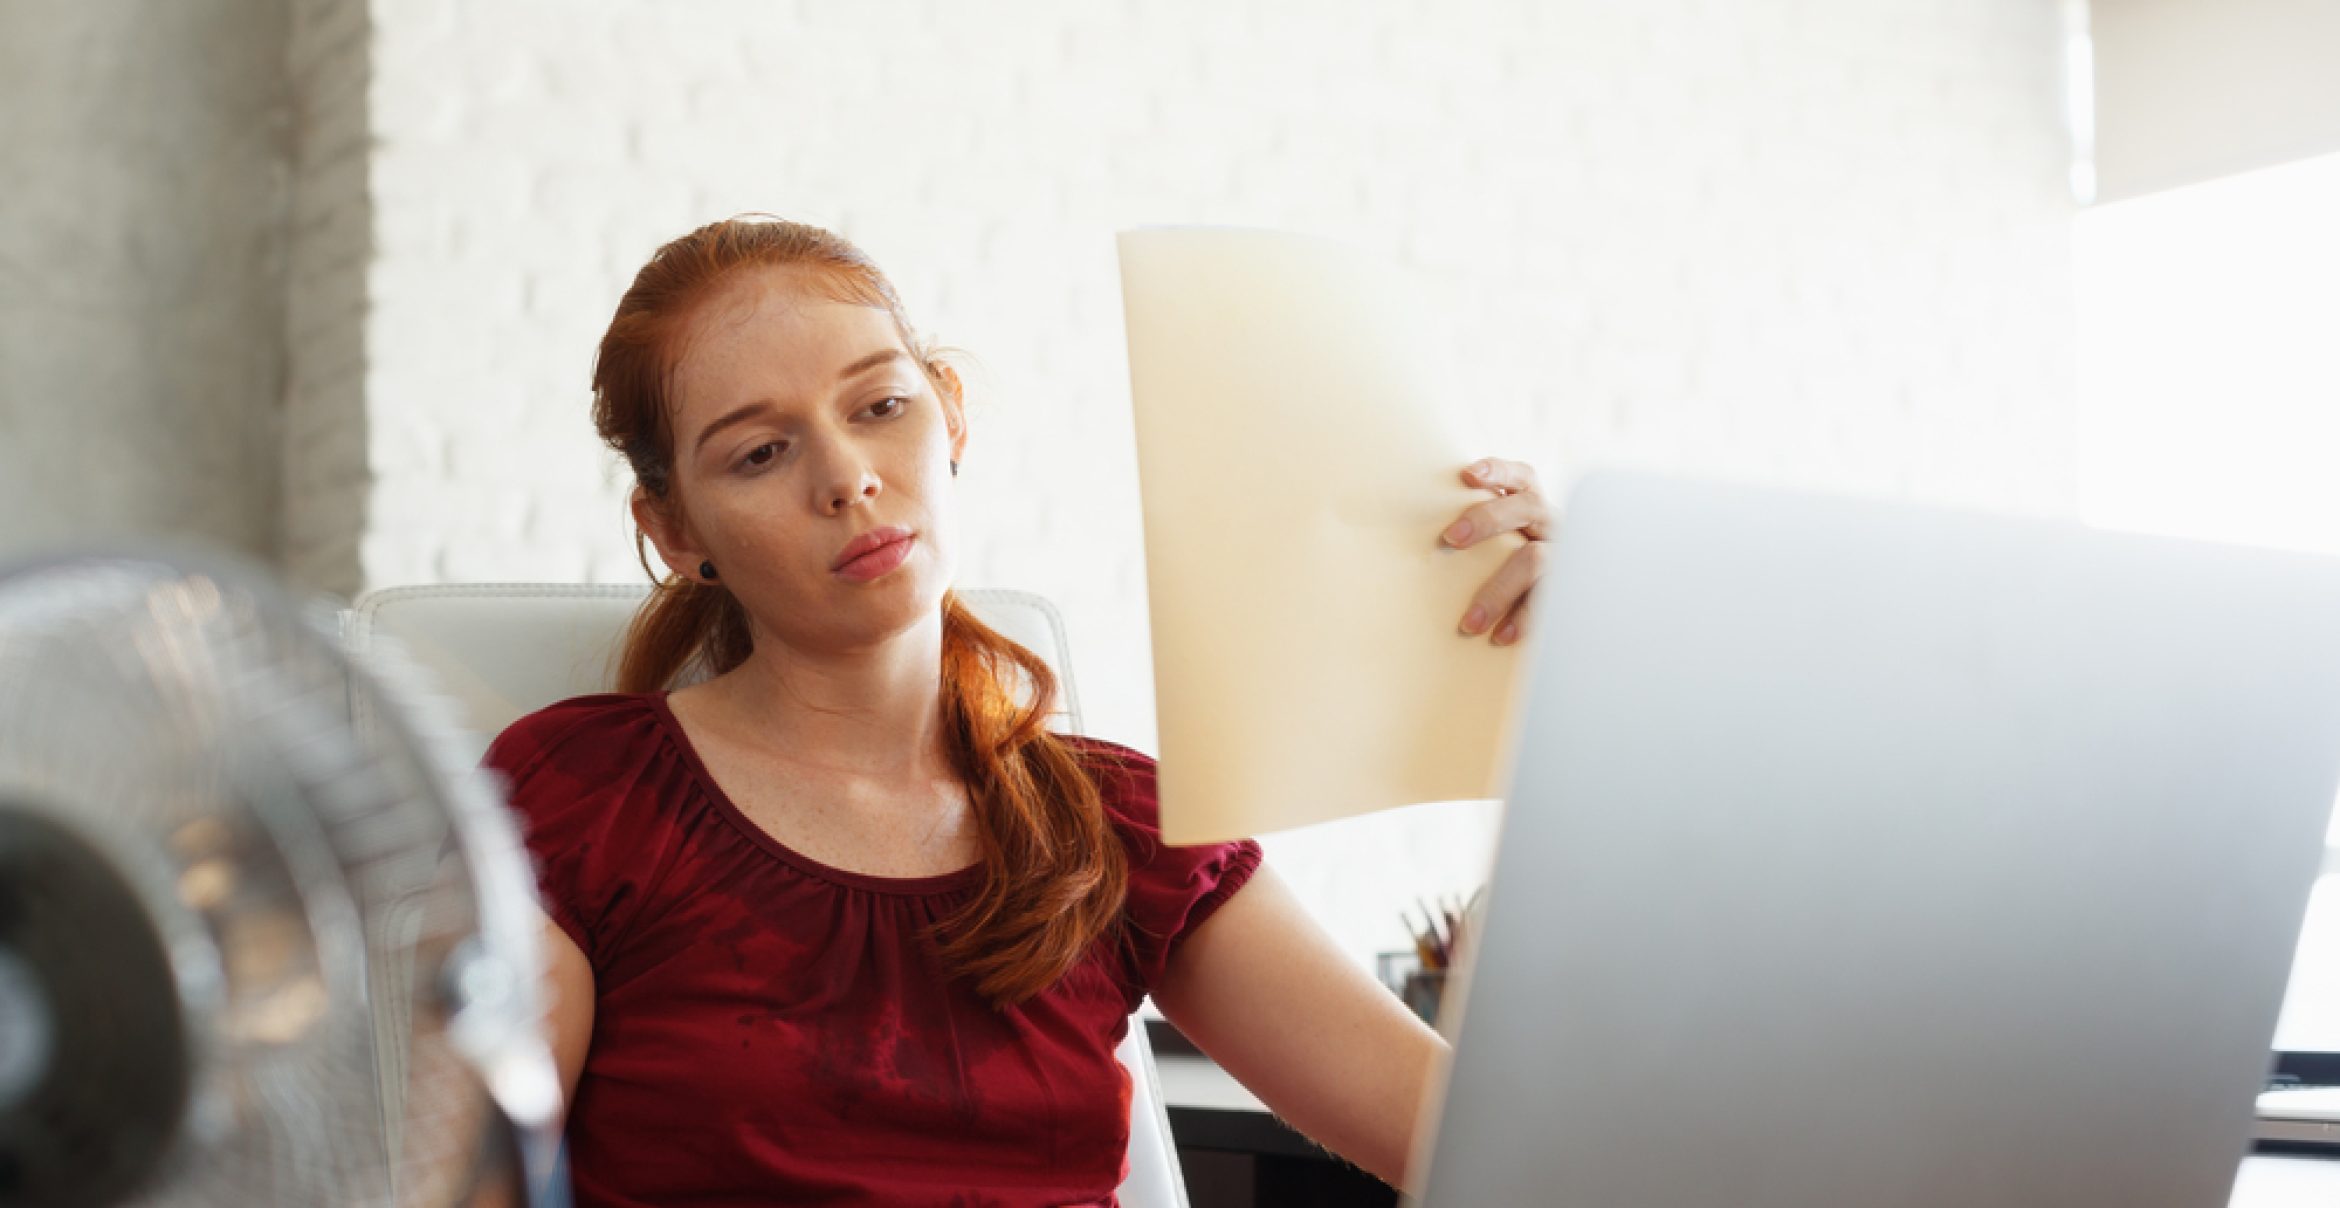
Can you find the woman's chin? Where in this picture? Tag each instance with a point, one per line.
(916, 585)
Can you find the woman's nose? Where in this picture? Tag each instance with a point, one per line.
(859, 482)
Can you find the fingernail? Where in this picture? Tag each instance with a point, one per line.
(1475, 619)
(1458, 532)
(1482, 469)
(1509, 632)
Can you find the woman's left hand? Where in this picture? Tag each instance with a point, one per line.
(1519, 504)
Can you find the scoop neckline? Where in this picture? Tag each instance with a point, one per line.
(925, 886)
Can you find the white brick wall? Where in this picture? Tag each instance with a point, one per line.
(1822, 242)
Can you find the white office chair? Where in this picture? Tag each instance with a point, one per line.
(502, 650)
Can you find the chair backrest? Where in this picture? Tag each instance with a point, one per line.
(503, 650)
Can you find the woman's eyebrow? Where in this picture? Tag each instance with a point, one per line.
(741, 414)
(882, 356)
(736, 415)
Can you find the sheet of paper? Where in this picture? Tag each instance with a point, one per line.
(1297, 463)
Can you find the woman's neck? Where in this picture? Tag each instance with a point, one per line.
(871, 714)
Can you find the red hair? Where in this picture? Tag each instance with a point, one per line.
(1056, 875)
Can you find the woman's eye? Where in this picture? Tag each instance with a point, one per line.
(762, 454)
(898, 401)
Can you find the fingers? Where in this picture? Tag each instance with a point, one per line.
(1514, 625)
(1525, 511)
(1500, 602)
(1501, 476)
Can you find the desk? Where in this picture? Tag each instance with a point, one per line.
(1207, 1103)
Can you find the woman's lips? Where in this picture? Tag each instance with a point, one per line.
(877, 561)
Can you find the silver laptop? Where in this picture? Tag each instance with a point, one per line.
(1869, 854)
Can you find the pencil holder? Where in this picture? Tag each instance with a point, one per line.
(1423, 990)
(1392, 968)
(1418, 987)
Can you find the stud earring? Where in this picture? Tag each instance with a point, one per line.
(706, 570)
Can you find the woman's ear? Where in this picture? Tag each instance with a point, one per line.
(658, 521)
(953, 394)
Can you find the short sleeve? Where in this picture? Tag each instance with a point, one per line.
(1171, 889)
(564, 769)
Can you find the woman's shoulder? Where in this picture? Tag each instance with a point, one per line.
(1125, 778)
(1108, 753)
(1128, 782)
(593, 785)
(600, 729)
(1171, 890)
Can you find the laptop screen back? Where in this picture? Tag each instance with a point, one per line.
(1865, 853)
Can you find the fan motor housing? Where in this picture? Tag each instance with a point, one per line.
(94, 1070)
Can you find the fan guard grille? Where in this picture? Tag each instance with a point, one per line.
(176, 743)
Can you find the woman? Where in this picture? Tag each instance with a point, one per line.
(843, 922)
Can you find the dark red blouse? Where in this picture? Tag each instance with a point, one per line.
(768, 1029)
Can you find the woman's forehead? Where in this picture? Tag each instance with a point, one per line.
(768, 334)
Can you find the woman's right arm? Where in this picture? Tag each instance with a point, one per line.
(568, 1006)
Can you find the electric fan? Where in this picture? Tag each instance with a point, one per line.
(264, 938)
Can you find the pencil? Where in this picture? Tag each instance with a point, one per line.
(1422, 950)
(1444, 946)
